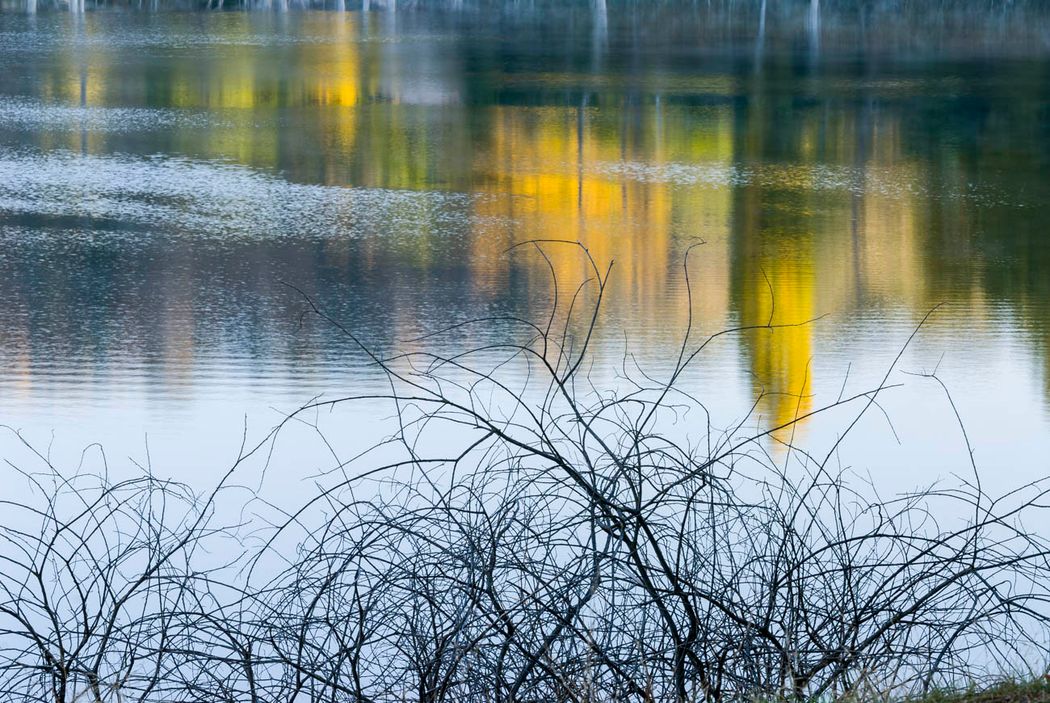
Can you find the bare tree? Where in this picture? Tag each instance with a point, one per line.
(534, 528)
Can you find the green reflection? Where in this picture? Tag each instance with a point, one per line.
(823, 183)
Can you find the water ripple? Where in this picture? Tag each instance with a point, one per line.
(211, 199)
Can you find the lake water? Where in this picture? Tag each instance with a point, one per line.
(165, 175)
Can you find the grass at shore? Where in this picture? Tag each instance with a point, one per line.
(1037, 691)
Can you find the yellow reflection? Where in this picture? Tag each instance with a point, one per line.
(566, 174)
(781, 294)
(617, 175)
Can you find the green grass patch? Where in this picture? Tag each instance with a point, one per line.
(1037, 691)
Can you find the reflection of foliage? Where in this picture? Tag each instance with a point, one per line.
(850, 183)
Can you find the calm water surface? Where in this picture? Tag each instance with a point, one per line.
(162, 175)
